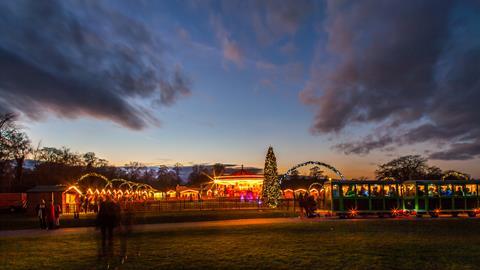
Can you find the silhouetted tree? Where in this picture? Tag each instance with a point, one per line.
(134, 170)
(218, 169)
(316, 173)
(409, 167)
(433, 173)
(14, 146)
(20, 148)
(199, 175)
(166, 178)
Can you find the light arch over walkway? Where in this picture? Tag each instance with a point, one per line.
(96, 175)
(318, 163)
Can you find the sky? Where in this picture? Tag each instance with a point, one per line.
(349, 83)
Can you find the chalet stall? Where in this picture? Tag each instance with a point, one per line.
(187, 193)
(58, 194)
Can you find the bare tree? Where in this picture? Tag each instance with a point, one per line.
(14, 146)
(404, 168)
(20, 148)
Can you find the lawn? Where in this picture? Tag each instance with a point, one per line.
(19, 221)
(333, 244)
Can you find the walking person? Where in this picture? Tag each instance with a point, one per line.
(42, 214)
(50, 215)
(58, 211)
(108, 218)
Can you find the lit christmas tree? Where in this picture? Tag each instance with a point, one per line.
(271, 184)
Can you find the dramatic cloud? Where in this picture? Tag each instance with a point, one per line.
(80, 59)
(411, 69)
(231, 50)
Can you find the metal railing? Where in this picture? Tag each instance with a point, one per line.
(189, 205)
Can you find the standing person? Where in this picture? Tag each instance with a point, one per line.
(127, 217)
(305, 204)
(58, 211)
(50, 216)
(312, 206)
(301, 203)
(42, 214)
(108, 218)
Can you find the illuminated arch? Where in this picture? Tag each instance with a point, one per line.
(120, 181)
(105, 179)
(456, 174)
(315, 184)
(330, 167)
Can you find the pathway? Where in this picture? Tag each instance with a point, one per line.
(150, 227)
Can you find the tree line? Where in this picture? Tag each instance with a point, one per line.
(51, 165)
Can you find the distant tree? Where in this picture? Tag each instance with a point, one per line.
(409, 167)
(90, 160)
(14, 146)
(166, 178)
(177, 168)
(63, 156)
(316, 173)
(199, 175)
(6, 125)
(271, 184)
(433, 173)
(134, 170)
(162, 170)
(102, 163)
(218, 169)
(20, 148)
(294, 175)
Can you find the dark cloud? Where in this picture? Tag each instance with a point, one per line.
(411, 69)
(81, 59)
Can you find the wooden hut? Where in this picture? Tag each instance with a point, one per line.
(58, 194)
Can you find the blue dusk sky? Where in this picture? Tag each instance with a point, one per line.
(349, 83)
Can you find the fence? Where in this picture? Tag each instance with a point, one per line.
(189, 205)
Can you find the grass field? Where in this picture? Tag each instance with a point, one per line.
(19, 221)
(334, 244)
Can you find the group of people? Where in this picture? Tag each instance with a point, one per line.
(48, 215)
(363, 192)
(307, 204)
(445, 191)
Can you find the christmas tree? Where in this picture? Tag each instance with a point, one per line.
(271, 184)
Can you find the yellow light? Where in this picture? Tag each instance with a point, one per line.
(74, 188)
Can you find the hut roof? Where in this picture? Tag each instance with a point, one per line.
(47, 188)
